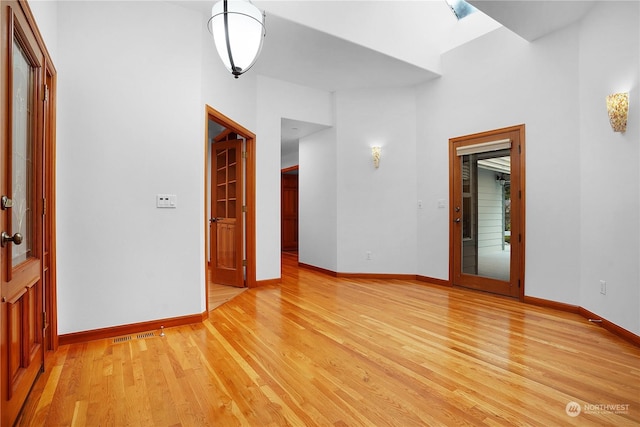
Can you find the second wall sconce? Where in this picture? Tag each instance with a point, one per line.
(618, 108)
(375, 152)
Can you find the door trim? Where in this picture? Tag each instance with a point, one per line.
(520, 189)
(250, 188)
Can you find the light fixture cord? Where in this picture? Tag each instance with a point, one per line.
(226, 37)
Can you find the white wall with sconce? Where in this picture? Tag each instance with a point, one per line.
(582, 178)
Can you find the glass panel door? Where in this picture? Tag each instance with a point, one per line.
(22, 154)
(485, 234)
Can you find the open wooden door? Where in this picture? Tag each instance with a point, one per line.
(487, 211)
(27, 125)
(226, 222)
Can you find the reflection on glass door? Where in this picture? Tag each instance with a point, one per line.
(486, 225)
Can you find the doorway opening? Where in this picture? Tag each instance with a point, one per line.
(229, 208)
(487, 211)
(289, 209)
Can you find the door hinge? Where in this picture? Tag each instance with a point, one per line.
(245, 155)
(518, 283)
(519, 238)
(244, 208)
(519, 149)
(44, 318)
(46, 93)
(44, 206)
(519, 194)
(244, 262)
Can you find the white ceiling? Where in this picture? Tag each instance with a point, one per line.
(316, 53)
(534, 19)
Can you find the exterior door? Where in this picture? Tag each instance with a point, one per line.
(289, 211)
(22, 210)
(226, 225)
(487, 211)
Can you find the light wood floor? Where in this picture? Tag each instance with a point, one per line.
(348, 352)
(219, 294)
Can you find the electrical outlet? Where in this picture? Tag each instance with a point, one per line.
(369, 256)
(603, 287)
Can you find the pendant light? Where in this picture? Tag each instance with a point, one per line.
(238, 31)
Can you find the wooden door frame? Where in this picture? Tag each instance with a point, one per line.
(250, 193)
(520, 190)
(44, 160)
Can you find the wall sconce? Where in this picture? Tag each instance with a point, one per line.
(375, 153)
(618, 108)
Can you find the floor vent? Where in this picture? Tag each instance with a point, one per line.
(139, 337)
(145, 335)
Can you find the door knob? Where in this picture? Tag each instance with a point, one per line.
(6, 237)
(456, 220)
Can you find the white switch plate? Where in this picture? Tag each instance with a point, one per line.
(166, 201)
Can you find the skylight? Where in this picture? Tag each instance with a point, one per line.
(460, 8)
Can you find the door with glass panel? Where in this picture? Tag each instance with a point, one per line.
(226, 222)
(22, 210)
(487, 236)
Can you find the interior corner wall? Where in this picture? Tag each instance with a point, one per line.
(317, 180)
(496, 81)
(376, 206)
(130, 125)
(610, 191)
(276, 100)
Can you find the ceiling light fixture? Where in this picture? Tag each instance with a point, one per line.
(238, 31)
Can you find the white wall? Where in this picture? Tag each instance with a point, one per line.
(277, 100)
(130, 125)
(581, 179)
(290, 159)
(317, 200)
(376, 207)
(45, 13)
(609, 202)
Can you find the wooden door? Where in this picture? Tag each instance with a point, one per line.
(226, 225)
(289, 212)
(487, 211)
(22, 209)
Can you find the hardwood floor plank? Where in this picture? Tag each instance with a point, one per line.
(325, 351)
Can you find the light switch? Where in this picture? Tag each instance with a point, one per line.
(166, 201)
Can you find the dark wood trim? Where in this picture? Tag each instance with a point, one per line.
(384, 276)
(434, 281)
(388, 276)
(606, 324)
(133, 328)
(267, 282)
(318, 269)
(551, 304)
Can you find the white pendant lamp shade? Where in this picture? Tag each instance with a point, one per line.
(238, 31)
